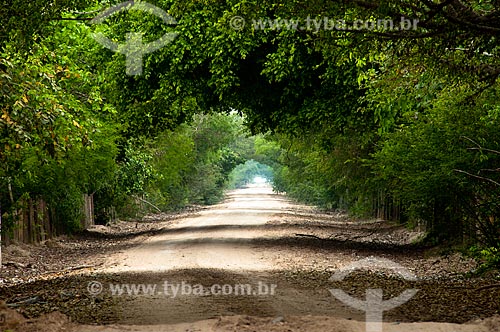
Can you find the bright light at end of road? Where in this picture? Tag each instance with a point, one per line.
(259, 179)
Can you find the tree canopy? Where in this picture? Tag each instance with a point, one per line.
(387, 120)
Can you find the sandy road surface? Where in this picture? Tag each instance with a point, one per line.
(263, 240)
(223, 245)
(216, 247)
(216, 238)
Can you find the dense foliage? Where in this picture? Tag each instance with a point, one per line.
(397, 124)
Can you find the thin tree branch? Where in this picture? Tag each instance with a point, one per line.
(143, 200)
(490, 170)
(477, 176)
(484, 149)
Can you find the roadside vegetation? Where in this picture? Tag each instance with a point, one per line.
(400, 125)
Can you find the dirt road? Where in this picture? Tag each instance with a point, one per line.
(243, 241)
(217, 238)
(258, 262)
